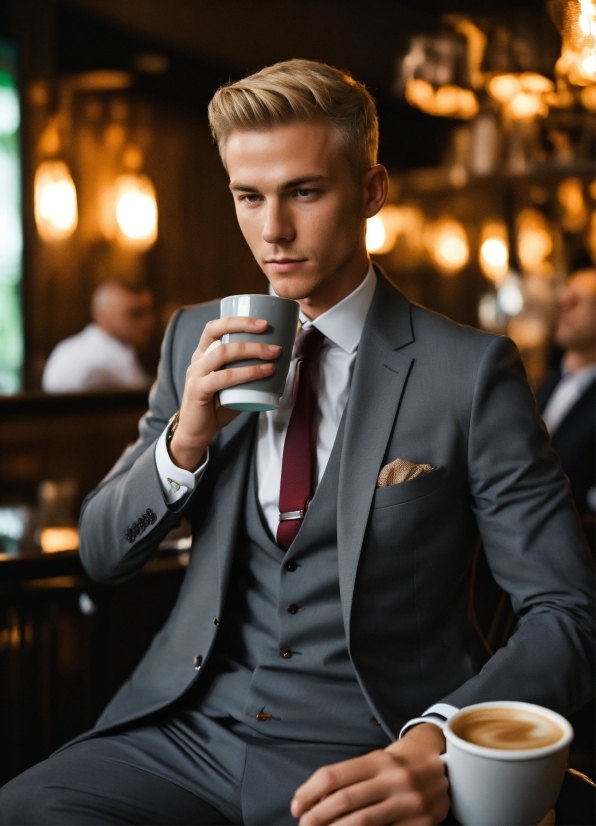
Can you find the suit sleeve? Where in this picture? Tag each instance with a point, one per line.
(123, 521)
(534, 545)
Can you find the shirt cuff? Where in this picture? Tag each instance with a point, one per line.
(176, 483)
(437, 715)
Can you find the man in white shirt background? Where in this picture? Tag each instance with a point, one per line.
(103, 356)
(567, 398)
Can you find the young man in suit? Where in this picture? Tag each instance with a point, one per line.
(304, 673)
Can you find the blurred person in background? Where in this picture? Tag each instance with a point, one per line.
(567, 398)
(103, 356)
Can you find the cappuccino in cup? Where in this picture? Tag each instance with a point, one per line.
(507, 728)
(505, 762)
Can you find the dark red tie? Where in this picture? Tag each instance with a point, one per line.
(299, 456)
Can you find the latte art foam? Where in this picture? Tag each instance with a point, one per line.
(507, 728)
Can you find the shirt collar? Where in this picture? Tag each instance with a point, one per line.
(581, 377)
(342, 324)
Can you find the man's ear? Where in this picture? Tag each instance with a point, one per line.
(375, 189)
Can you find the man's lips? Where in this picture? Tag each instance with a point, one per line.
(284, 264)
(284, 260)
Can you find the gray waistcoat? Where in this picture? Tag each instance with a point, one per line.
(282, 645)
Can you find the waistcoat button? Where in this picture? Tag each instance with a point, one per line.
(293, 609)
(285, 653)
(216, 622)
(198, 661)
(374, 721)
(263, 716)
(290, 565)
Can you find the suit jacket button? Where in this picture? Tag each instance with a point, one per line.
(285, 653)
(263, 716)
(216, 622)
(293, 609)
(291, 565)
(198, 661)
(374, 721)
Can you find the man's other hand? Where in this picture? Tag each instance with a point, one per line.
(405, 783)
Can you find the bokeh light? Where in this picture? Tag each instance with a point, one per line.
(56, 213)
(494, 251)
(136, 210)
(449, 247)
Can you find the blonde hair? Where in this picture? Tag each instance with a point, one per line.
(300, 90)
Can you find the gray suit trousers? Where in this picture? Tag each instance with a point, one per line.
(185, 768)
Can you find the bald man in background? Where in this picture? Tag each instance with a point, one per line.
(103, 356)
(567, 399)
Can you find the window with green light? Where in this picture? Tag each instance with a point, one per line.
(11, 234)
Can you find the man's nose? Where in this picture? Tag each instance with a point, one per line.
(277, 228)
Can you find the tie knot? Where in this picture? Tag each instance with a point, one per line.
(308, 344)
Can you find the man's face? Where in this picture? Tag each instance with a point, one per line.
(576, 326)
(128, 316)
(300, 209)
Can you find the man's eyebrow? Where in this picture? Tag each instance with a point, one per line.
(236, 186)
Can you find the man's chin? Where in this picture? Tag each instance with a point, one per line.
(292, 286)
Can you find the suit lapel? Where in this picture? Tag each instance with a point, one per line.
(380, 376)
(233, 459)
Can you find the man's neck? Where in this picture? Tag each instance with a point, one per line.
(575, 360)
(331, 293)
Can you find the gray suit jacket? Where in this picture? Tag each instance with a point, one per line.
(427, 390)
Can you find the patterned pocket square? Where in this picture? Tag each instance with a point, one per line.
(400, 470)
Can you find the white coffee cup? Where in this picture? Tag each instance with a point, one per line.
(505, 786)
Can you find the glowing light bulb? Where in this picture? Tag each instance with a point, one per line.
(449, 246)
(494, 251)
(136, 210)
(526, 106)
(375, 234)
(56, 213)
(503, 87)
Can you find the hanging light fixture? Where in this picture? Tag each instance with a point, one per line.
(435, 74)
(128, 210)
(576, 21)
(136, 210)
(55, 196)
(523, 95)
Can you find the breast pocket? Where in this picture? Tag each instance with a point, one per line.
(409, 491)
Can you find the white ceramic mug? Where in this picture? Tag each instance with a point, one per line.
(505, 787)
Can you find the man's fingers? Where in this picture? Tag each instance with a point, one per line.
(219, 327)
(329, 779)
(217, 357)
(389, 811)
(344, 801)
(221, 379)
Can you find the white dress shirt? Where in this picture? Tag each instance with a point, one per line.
(342, 327)
(566, 394)
(93, 360)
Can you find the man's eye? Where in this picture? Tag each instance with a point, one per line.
(250, 198)
(304, 193)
